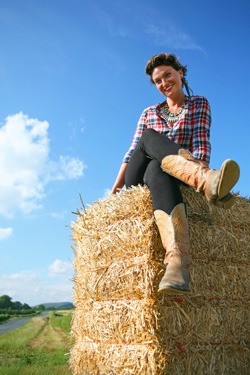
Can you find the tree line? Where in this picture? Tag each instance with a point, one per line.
(9, 308)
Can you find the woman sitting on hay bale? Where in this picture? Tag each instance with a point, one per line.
(171, 145)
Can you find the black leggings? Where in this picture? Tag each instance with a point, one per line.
(144, 167)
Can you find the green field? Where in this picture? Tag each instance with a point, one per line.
(40, 347)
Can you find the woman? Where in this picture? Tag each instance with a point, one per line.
(171, 145)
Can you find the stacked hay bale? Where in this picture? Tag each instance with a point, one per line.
(122, 327)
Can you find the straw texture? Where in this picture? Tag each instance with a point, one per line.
(121, 326)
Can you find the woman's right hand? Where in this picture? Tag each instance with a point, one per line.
(114, 190)
(120, 179)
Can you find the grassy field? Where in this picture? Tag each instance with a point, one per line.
(41, 347)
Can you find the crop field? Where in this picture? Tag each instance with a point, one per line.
(41, 346)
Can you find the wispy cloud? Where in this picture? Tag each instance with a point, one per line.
(171, 36)
(109, 17)
(59, 267)
(35, 288)
(5, 233)
(25, 164)
(66, 168)
(137, 20)
(59, 215)
(107, 192)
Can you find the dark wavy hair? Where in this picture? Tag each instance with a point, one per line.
(169, 60)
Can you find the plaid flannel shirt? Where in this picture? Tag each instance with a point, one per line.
(191, 131)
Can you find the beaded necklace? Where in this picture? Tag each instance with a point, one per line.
(172, 117)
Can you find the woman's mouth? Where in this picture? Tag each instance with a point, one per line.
(168, 88)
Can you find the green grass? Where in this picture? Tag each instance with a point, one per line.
(62, 320)
(41, 347)
(21, 337)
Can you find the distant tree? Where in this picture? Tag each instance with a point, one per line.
(16, 305)
(5, 302)
(41, 308)
(26, 307)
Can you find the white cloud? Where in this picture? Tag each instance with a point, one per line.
(59, 267)
(67, 168)
(28, 287)
(25, 166)
(5, 233)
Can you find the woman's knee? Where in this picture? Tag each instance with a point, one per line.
(149, 133)
(153, 171)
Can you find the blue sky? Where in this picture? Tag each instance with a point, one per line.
(72, 87)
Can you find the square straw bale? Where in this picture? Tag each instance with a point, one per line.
(121, 326)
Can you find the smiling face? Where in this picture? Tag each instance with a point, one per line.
(168, 80)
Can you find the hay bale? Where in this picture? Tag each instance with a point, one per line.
(122, 327)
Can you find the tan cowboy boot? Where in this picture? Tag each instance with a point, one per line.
(173, 230)
(215, 185)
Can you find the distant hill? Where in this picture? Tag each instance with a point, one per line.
(57, 305)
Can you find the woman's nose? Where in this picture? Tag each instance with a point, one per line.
(164, 81)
